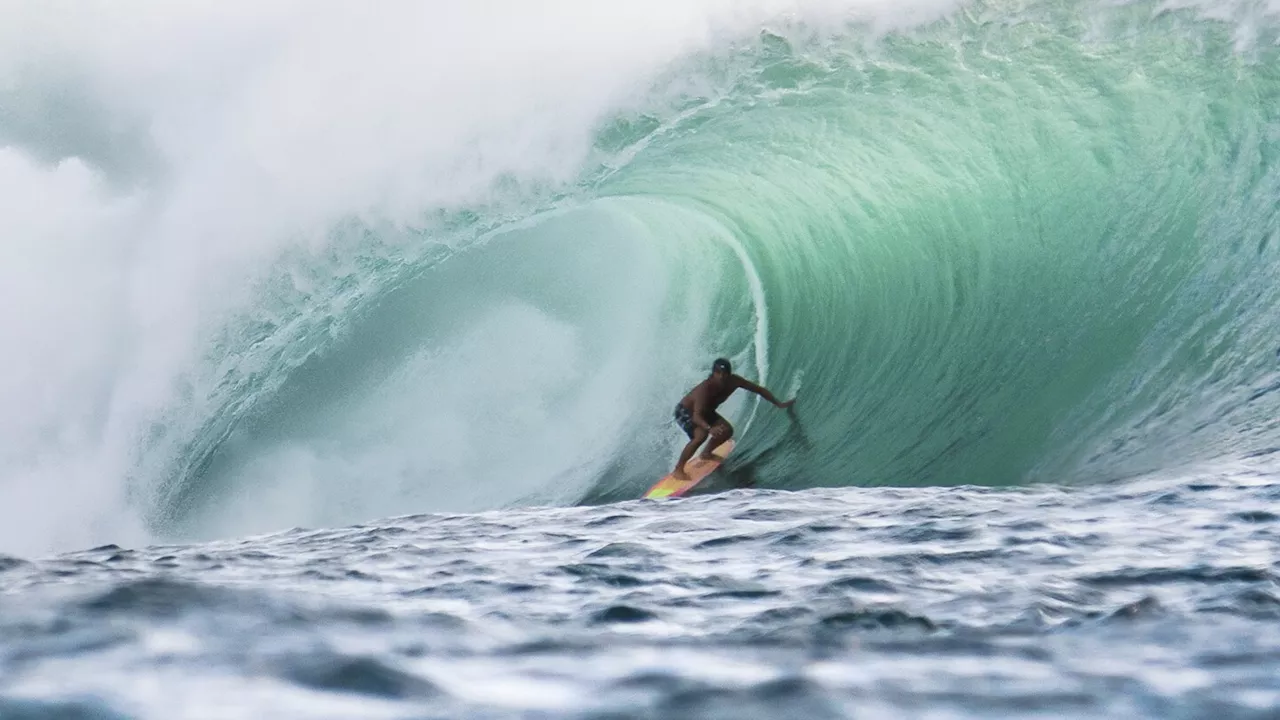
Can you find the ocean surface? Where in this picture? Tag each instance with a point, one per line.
(1154, 599)
(337, 341)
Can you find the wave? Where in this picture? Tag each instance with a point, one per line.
(996, 244)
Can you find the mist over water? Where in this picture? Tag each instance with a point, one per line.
(312, 264)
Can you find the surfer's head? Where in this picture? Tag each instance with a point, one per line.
(721, 367)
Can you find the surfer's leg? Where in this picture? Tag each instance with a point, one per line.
(696, 439)
(720, 432)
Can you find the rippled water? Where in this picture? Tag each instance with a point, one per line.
(1150, 599)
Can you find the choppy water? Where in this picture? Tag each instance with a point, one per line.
(279, 264)
(1156, 599)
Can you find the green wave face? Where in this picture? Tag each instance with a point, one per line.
(1030, 242)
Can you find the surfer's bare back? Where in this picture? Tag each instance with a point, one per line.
(696, 413)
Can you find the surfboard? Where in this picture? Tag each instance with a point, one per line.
(696, 469)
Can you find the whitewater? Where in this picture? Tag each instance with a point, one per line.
(277, 271)
(347, 336)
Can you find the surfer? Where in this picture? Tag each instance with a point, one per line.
(696, 413)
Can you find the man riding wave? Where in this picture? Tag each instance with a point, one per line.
(696, 413)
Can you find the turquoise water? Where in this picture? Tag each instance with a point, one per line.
(996, 243)
(345, 337)
(1029, 242)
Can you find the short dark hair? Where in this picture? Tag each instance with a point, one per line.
(721, 364)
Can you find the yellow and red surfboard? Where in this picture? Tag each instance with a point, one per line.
(696, 469)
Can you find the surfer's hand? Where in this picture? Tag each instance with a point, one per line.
(787, 404)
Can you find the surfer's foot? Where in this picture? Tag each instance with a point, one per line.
(709, 457)
(680, 476)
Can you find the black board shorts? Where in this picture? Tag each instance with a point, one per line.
(684, 418)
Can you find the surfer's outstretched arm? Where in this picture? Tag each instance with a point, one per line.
(762, 392)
